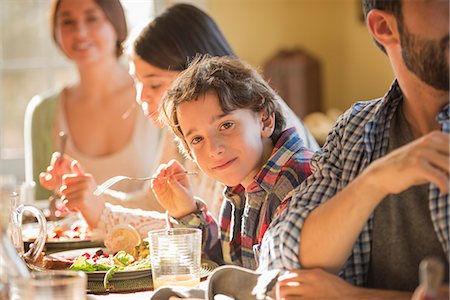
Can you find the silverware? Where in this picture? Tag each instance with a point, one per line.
(431, 274)
(55, 201)
(64, 223)
(113, 180)
(62, 145)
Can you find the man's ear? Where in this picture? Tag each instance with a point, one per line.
(267, 124)
(383, 27)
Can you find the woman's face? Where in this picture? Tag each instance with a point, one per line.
(151, 84)
(83, 32)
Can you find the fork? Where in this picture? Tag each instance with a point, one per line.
(59, 207)
(113, 180)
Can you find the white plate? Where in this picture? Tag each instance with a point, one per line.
(98, 275)
(31, 230)
(206, 268)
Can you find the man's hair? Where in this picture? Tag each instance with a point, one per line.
(236, 84)
(391, 6)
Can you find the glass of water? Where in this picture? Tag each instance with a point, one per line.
(55, 285)
(175, 256)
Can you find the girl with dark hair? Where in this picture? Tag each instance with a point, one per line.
(165, 47)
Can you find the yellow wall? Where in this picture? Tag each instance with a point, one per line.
(352, 66)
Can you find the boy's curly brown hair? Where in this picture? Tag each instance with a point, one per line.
(236, 84)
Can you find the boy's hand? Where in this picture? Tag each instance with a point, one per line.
(172, 189)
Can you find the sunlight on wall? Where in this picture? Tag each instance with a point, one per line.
(352, 67)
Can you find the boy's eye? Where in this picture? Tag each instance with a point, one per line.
(196, 140)
(227, 125)
(155, 86)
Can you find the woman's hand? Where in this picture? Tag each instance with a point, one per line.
(77, 194)
(51, 179)
(171, 188)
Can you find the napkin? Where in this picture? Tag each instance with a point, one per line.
(226, 282)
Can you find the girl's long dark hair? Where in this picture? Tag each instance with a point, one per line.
(175, 37)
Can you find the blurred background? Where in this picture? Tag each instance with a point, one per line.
(317, 53)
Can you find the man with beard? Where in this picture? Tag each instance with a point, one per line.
(377, 202)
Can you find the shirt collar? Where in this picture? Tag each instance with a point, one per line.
(287, 145)
(377, 128)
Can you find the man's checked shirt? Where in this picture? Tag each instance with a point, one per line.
(359, 137)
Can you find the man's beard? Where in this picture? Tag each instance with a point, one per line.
(426, 58)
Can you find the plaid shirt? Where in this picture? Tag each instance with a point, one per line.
(246, 214)
(359, 137)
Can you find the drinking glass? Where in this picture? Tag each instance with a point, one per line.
(175, 256)
(55, 285)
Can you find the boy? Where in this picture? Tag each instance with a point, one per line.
(227, 119)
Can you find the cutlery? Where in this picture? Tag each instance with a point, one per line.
(113, 180)
(60, 208)
(431, 274)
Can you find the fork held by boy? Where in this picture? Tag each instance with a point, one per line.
(113, 180)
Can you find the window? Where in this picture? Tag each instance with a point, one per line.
(30, 63)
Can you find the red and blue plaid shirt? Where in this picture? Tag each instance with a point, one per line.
(246, 214)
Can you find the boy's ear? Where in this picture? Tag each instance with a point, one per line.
(267, 124)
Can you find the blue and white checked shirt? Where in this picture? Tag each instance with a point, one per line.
(359, 137)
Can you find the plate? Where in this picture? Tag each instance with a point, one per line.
(207, 266)
(31, 230)
(99, 275)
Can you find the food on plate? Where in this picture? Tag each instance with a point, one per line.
(53, 263)
(101, 261)
(141, 251)
(122, 237)
(98, 260)
(59, 234)
(74, 232)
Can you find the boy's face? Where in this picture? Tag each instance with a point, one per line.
(230, 148)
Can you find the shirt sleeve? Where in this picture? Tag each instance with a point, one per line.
(143, 221)
(203, 220)
(280, 247)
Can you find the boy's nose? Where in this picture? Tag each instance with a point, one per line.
(216, 147)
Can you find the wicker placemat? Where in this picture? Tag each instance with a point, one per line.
(129, 285)
(141, 283)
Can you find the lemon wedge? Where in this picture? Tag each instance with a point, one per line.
(122, 237)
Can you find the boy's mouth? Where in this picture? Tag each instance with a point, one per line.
(223, 165)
